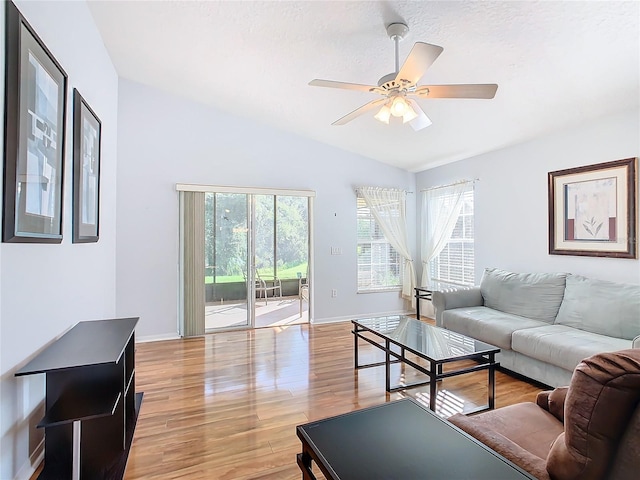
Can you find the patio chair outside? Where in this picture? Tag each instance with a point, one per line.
(266, 285)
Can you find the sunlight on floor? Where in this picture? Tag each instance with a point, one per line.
(447, 403)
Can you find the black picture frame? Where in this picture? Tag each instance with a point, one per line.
(87, 131)
(592, 210)
(34, 136)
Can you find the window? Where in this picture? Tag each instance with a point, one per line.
(379, 265)
(455, 264)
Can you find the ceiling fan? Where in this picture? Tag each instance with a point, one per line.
(398, 87)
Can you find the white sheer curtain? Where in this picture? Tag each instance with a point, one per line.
(440, 210)
(388, 207)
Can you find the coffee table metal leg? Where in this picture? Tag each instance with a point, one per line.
(387, 365)
(433, 386)
(355, 346)
(492, 381)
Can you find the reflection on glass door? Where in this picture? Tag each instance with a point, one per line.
(226, 260)
(257, 257)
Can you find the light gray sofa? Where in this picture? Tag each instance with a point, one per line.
(544, 323)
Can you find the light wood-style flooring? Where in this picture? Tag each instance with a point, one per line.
(225, 406)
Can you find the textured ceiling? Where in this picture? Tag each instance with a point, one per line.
(557, 64)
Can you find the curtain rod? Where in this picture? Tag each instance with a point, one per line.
(383, 188)
(450, 185)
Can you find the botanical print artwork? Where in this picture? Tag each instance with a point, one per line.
(591, 210)
(42, 126)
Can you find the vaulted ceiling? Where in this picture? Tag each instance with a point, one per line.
(557, 64)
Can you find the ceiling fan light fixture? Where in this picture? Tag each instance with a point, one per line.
(384, 114)
(409, 115)
(399, 107)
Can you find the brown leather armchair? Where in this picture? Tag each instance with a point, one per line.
(589, 430)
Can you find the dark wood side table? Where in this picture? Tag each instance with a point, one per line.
(397, 440)
(91, 407)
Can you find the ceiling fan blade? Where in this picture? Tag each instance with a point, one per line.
(343, 85)
(359, 111)
(420, 58)
(421, 121)
(481, 90)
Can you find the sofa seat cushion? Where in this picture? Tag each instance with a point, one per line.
(487, 325)
(532, 295)
(525, 424)
(563, 346)
(598, 306)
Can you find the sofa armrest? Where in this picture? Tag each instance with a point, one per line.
(636, 342)
(542, 400)
(455, 298)
(553, 401)
(510, 450)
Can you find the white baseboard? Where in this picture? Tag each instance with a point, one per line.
(30, 466)
(319, 321)
(158, 338)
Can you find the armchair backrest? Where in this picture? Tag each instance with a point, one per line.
(626, 463)
(601, 406)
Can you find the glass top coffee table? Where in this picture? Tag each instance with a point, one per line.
(397, 334)
(399, 440)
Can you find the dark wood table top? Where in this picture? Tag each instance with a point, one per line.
(401, 440)
(87, 343)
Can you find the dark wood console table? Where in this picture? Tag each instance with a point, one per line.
(91, 407)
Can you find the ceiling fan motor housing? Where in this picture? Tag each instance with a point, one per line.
(397, 30)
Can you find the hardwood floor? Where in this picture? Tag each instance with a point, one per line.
(225, 406)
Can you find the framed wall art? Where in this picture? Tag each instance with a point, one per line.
(86, 171)
(35, 102)
(592, 210)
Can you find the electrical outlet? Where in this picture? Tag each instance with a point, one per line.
(336, 251)
(334, 293)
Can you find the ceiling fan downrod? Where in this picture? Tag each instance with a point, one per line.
(396, 32)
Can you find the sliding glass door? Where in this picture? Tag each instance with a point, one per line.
(226, 240)
(256, 250)
(281, 239)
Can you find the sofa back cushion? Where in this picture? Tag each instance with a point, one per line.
(602, 307)
(532, 295)
(602, 398)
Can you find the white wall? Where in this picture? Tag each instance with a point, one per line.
(164, 140)
(45, 289)
(511, 208)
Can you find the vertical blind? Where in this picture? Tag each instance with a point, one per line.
(193, 262)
